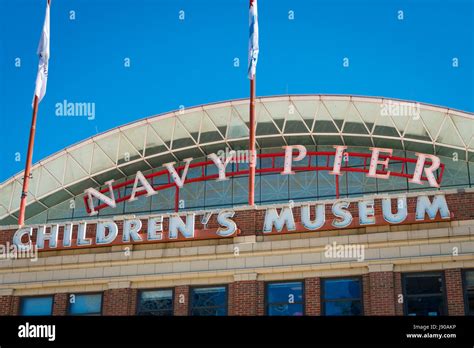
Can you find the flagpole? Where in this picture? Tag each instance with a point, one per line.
(43, 51)
(253, 153)
(252, 72)
(29, 158)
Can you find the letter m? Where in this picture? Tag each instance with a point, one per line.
(279, 221)
(424, 206)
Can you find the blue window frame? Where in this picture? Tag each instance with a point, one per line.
(155, 302)
(36, 305)
(424, 294)
(285, 298)
(209, 301)
(85, 304)
(342, 296)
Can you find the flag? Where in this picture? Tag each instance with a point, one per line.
(43, 53)
(253, 39)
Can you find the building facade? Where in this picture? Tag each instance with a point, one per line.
(364, 206)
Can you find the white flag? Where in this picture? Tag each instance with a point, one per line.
(43, 53)
(253, 39)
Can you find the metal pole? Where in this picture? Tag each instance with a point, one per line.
(29, 158)
(253, 153)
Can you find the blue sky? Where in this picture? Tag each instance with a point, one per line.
(190, 62)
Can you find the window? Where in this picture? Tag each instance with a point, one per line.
(285, 299)
(85, 304)
(424, 294)
(342, 296)
(155, 302)
(209, 301)
(37, 305)
(469, 291)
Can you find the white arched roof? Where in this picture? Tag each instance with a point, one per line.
(197, 131)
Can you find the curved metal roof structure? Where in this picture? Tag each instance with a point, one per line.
(198, 131)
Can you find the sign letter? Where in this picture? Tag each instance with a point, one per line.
(289, 157)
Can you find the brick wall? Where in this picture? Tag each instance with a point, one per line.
(366, 306)
(382, 293)
(260, 298)
(312, 289)
(118, 302)
(181, 300)
(231, 299)
(380, 296)
(243, 297)
(454, 291)
(60, 304)
(15, 309)
(6, 305)
(132, 303)
(381, 290)
(397, 277)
